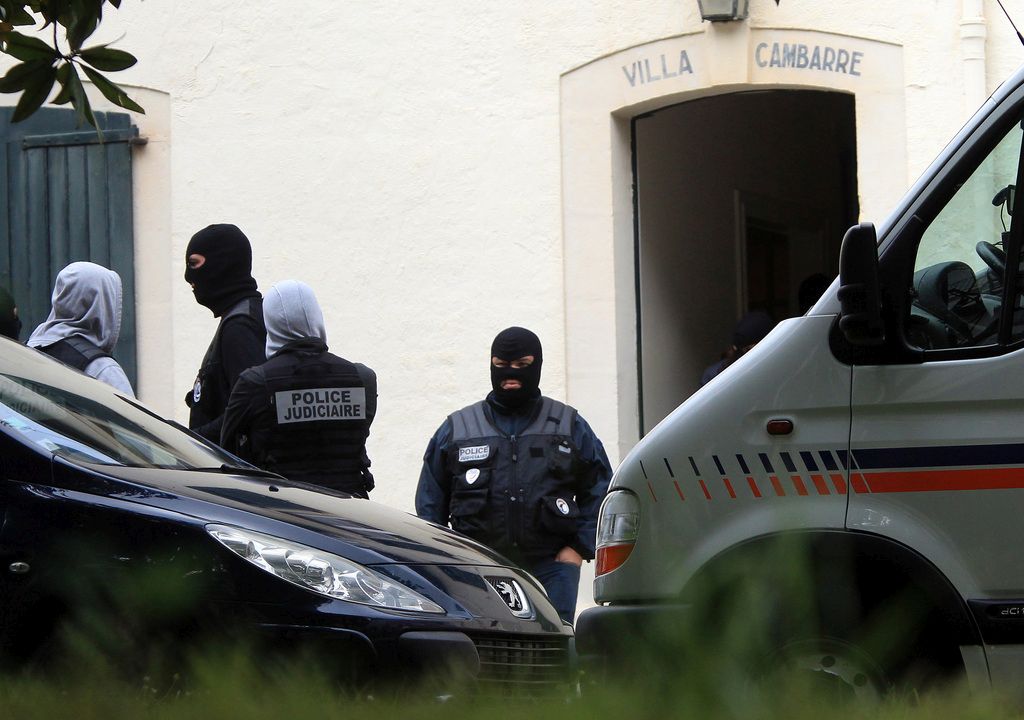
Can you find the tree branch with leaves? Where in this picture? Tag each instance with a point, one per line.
(42, 65)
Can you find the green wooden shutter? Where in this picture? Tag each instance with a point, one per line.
(66, 195)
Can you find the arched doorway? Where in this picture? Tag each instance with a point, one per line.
(739, 199)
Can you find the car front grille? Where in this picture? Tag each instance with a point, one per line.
(522, 664)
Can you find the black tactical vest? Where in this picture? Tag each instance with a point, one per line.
(75, 351)
(209, 394)
(318, 422)
(516, 494)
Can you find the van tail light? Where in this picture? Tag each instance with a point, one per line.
(618, 524)
(611, 557)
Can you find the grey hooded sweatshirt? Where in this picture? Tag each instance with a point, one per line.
(87, 302)
(291, 312)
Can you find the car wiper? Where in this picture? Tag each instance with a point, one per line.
(240, 470)
(249, 470)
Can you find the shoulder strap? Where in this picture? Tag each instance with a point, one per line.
(470, 422)
(75, 351)
(554, 418)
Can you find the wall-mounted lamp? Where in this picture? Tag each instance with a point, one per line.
(723, 10)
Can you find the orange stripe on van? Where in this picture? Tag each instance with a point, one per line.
(705, 489)
(819, 485)
(798, 483)
(728, 487)
(778, 486)
(753, 486)
(679, 490)
(944, 480)
(838, 483)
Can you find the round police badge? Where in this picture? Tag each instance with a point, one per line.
(563, 506)
(197, 390)
(471, 475)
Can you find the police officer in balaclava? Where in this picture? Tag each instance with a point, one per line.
(218, 266)
(520, 472)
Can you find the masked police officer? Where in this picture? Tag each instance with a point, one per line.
(520, 472)
(218, 266)
(304, 413)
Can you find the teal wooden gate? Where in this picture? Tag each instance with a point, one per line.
(65, 196)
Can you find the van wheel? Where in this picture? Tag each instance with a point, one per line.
(832, 668)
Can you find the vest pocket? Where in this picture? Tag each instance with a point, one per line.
(558, 515)
(561, 457)
(469, 501)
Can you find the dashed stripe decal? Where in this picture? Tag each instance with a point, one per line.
(823, 473)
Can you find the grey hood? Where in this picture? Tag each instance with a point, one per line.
(86, 302)
(291, 312)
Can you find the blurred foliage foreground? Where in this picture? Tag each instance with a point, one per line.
(109, 659)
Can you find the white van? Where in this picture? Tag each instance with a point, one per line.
(885, 428)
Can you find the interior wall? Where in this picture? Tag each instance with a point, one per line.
(702, 169)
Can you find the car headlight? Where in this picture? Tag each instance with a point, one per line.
(319, 571)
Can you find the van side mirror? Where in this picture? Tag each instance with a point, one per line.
(860, 298)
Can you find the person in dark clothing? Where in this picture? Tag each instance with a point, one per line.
(10, 323)
(218, 266)
(304, 413)
(520, 472)
(751, 329)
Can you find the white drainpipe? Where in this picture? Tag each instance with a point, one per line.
(972, 51)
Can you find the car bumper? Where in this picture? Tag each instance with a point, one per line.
(505, 663)
(607, 636)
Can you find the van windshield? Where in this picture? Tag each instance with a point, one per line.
(78, 419)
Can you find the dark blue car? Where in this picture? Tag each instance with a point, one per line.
(108, 507)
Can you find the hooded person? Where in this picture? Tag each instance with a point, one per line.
(10, 323)
(520, 472)
(218, 266)
(84, 323)
(305, 413)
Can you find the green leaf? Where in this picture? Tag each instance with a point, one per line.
(34, 95)
(25, 47)
(80, 30)
(107, 59)
(21, 75)
(115, 3)
(79, 100)
(112, 92)
(21, 16)
(63, 75)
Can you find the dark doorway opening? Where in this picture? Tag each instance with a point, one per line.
(739, 199)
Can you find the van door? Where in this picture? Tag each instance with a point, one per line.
(937, 435)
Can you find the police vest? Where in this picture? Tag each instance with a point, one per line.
(209, 394)
(75, 351)
(318, 422)
(516, 494)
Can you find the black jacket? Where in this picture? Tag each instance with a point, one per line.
(305, 413)
(239, 343)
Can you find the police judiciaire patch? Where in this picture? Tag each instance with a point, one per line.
(475, 453)
(320, 404)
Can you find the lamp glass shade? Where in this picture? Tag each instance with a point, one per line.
(723, 10)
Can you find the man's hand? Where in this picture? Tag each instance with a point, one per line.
(568, 555)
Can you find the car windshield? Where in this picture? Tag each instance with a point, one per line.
(62, 412)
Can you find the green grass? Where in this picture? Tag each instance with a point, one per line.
(234, 686)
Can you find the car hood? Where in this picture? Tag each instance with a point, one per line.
(362, 530)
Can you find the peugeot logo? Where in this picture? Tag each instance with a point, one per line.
(511, 592)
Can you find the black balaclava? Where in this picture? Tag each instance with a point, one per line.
(512, 344)
(226, 276)
(10, 324)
